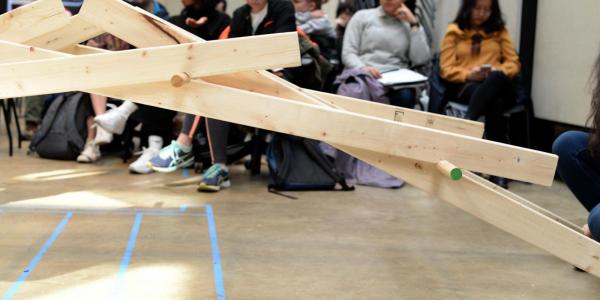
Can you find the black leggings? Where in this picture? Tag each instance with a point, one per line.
(489, 98)
(155, 121)
(218, 133)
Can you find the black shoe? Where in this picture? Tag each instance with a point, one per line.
(499, 181)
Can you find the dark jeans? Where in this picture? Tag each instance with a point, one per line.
(489, 98)
(581, 172)
(402, 97)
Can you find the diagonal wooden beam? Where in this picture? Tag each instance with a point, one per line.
(400, 114)
(75, 31)
(498, 207)
(134, 25)
(344, 128)
(260, 83)
(148, 65)
(32, 20)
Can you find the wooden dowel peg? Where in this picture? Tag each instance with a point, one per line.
(449, 170)
(180, 79)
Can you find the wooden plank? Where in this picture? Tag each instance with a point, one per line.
(148, 65)
(32, 20)
(77, 30)
(421, 118)
(12, 52)
(82, 50)
(496, 206)
(344, 128)
(259, 83)
(134, 25)
(400, 114)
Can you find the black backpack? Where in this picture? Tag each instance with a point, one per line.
(63, 130)
(299, 164)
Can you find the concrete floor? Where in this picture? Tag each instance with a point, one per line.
(128, 237)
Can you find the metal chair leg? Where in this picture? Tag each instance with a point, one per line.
(12, 106)
(6, 112)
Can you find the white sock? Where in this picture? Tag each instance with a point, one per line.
(155, 142)
(127, 108)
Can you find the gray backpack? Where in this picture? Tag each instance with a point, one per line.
(63, 130)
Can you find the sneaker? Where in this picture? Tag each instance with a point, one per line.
(103, 137)
(140, 166)
(113, 121)
(171, 158)
(215, 178)
(90, 153)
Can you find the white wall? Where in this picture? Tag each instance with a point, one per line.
(567, 43)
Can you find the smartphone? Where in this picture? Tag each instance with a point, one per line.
(486, 68)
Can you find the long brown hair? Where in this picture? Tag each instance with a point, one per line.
(595, 112)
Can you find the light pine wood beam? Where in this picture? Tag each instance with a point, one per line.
(75, 31)
(32, 20)
(498, 207)
(344, 128)
(148, 65)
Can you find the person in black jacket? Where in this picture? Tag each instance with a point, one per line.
(202, 19)
(254, 18)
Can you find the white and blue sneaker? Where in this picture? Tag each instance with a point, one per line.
(214, 179)
(171, 157)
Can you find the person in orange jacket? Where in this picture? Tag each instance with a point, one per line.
(477, 57)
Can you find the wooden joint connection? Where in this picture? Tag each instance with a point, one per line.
(180, 79)
(449, 170)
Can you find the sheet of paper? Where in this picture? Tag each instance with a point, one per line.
(401, 76)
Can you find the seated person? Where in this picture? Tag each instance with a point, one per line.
(257, 17)
(201, 18)
(579, 162)
(343, 14)
(478, 59)
(368, 44)
(314, 22)
(254, 18)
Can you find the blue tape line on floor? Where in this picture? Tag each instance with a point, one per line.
(219, 287)
(36, 260)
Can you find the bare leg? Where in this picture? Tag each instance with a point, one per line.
(184, 140)
(90, 129)
(98, 104)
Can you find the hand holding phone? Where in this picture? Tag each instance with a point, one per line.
(486, 68)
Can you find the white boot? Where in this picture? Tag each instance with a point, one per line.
(103, 137)
(141, 166)
(114, 120)
(90, 153)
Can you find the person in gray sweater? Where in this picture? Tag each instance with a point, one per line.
(384, 39)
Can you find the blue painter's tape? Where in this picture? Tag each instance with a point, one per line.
(185, 173)
(219, 287)
(182, 208)
(102, 212)
(36, 260)
(135, 229)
